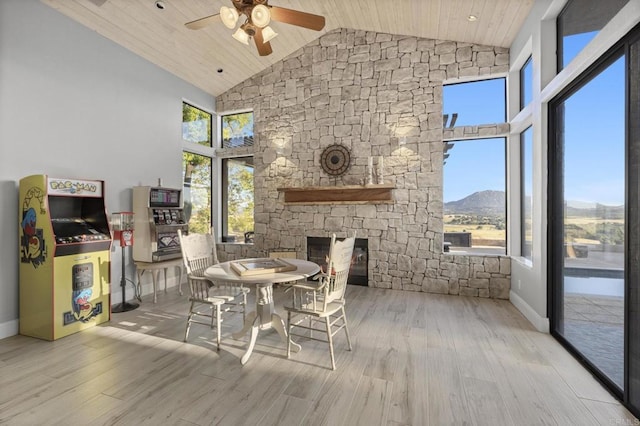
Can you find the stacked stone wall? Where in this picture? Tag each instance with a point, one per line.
(379, 95)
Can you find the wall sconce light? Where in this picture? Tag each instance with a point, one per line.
(280, 147)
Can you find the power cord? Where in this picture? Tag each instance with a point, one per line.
(137, 289)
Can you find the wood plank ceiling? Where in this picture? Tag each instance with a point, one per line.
(159, 35)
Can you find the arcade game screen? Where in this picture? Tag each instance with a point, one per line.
(78, 219)
(75, 230)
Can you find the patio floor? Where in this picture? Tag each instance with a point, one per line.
(594, 324)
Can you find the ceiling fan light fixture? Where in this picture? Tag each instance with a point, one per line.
(256, 16)
(241, 36)
(260, 16)
(229, 16)
(268, 34)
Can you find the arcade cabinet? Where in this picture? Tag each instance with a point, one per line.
(64, 243)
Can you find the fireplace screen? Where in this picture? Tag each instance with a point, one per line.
(318, 252)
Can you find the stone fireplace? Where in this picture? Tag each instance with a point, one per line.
(378, 95)
(318, 250)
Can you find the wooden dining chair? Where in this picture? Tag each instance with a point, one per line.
(208, 299)
(322, 303)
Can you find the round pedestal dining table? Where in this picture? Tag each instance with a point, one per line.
(264, 316)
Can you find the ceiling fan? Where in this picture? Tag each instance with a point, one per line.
(257, 15)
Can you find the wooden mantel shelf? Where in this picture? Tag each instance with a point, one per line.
(348, 194)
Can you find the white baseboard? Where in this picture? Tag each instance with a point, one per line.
(540, 323)
(9, 328)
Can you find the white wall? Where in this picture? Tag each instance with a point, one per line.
(537, 37)
(528, 280)
(73, 104)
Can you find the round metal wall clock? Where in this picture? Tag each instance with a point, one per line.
(335, 159)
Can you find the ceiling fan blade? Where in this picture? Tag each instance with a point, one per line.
(202, 22)
(295, 17)
(264, 49)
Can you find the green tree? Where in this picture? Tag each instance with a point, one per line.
(240, 198)
(197, 191)
(237, 125)
(196, 169)
(196, 125)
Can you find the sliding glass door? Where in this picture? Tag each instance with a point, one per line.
(590, 223)
(594, 219)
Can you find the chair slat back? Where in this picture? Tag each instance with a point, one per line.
(340, 258)
(198, 252)
(199, 264)
(199, 289)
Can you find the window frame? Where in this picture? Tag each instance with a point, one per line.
(221, 127)
(505, 141)
(528, 255)
(479, 80)
(528, 64)
(209, 130)
(225, 154)
(189, 184)
(202, 150)
(471, 139)
(556, 198)
(224, 194)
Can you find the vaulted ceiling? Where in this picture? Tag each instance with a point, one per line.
(160, 36)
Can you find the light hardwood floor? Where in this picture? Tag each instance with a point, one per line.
(417, 359)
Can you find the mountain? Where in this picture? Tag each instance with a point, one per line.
(594, 210)
(490, 203)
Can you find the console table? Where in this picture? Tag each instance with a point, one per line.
(154, 268)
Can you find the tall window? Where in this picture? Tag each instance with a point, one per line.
(196, 167)
(526, 83)
(474, 170)
(196, 171)
(237, 191)
(579, 22)
(237, 178)
(526, 192)
(474, 196)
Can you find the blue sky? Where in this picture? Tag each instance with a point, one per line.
(475, 165)
(594, 136)
(595, 139)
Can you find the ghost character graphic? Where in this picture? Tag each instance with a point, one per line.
(31, 240)
(82, 307)
(29, 222)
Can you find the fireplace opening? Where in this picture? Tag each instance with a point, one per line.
(318, 251)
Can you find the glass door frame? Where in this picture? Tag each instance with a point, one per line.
(555, 235)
